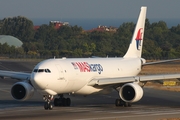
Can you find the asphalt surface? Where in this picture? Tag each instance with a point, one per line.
(155, 104)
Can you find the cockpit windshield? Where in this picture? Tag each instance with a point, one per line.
(42, 70)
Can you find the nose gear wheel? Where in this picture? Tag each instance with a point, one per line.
(47, 104)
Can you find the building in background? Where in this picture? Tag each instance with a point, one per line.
(56, 24)
(102, 28)
(10, 40)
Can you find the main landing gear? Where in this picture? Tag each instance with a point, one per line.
(47, 104)
(61, 101)
(120, 102)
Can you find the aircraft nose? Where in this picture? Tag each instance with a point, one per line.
(37, 81)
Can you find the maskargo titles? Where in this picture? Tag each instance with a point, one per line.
(86, 67)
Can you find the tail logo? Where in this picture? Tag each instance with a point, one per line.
(139, 38)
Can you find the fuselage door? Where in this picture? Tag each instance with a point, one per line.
(60, 72)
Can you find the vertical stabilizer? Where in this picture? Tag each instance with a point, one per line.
(135, 47)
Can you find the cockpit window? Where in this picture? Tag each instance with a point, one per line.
(42, 70)
(47, 71)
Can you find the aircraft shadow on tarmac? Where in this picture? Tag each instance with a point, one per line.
(94, 101)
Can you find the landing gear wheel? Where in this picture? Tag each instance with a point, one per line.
(50, 106)
(61, 101)
(120, 102)
(125, 104)
(47, 104)
(129, 104)
(68, 101)
(56, 102)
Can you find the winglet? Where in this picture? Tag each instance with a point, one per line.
(135, 47)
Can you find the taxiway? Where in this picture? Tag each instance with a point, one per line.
(155, 104)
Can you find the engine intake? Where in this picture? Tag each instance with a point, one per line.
(131, 92)
(22, 91)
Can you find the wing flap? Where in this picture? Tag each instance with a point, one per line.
(14, 75)
(118, 80)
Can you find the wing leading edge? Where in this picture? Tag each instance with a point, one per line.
(15, 75)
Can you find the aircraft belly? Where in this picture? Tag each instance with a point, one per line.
(77, 83)
(86, 90)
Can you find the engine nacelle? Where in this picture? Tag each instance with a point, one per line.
(22, 91)
(131, 92)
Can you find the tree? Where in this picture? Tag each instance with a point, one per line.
(19, 27)
(73, 41)
(176, 29)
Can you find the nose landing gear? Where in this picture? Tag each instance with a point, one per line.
(47, 104)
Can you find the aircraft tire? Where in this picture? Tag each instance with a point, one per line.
(68, 101)
(50, 106)
(118, 102)
(46, 106)
(56, 102)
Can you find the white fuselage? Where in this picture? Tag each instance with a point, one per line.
(57, 76)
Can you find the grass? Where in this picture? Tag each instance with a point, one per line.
(168, 68)
(170, 119)
(165, 68)
(161, 68)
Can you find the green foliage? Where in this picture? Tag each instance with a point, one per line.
(72, 41)
(11, 51)
(19, 27)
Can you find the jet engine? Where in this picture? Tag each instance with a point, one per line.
(22, 91)
(131, 92)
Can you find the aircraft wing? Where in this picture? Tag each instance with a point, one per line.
(15, 75)
(162, 61)
(118, 80)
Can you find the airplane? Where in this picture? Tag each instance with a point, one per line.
(85, 76)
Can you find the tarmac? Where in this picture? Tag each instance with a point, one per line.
(155, 104)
